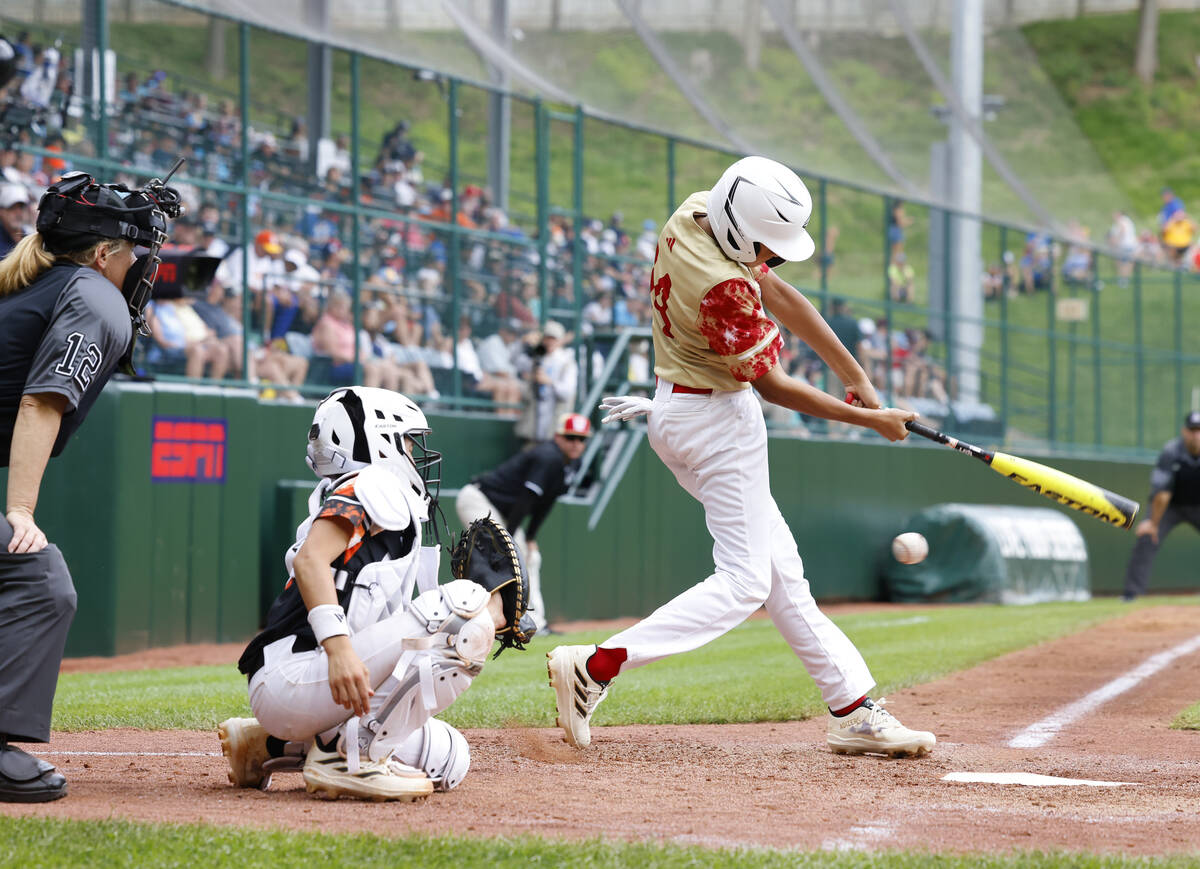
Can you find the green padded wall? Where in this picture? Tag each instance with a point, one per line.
(159, 563)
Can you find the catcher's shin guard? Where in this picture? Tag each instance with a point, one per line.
(440, 750)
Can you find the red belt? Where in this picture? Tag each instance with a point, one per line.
(690, 390)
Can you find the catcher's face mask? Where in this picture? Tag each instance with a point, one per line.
(78, 212)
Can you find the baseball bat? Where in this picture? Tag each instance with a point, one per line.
(1059, 486)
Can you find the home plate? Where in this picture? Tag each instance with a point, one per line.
(1029, 779)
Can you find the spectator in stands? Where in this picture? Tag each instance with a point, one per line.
(227, 328)
(1171, 205)
(1077, 264)
(898, 222)
(334, 336)
(1035, 264)
(1174, 498)
(14, 215)
(845, 326)
(1123, 239)
(181, 340)
(502, 388)
(1149, 250)
(900, 277)
(647, 240)
(39, 83)
(551, 377)
(1178, 233)
(923, 378)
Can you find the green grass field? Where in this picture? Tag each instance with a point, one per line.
(710, 685)
(747, 675)
(118, 844)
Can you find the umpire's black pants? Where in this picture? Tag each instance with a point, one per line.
(37, 603)
(1137, 574)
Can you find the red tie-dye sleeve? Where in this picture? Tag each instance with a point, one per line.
(738, 330)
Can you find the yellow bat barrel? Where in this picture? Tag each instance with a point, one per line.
(1067, 490)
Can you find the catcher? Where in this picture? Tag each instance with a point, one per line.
(350, 669)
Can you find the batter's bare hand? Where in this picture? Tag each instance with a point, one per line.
(1147, 528)
(27, 537)
(349, 679)
(862, 394)
(889, 422)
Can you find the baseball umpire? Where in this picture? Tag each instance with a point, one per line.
(71, 295)
(1174, 498)
(526, 486)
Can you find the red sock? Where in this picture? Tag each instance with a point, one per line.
(840, 712)
(605, 664)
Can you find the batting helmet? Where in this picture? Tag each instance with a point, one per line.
(759, 202)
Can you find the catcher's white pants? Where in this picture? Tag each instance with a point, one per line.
(290, 694)
(472, 504)
(716, 445)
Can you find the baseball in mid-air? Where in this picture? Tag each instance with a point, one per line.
(910, 547)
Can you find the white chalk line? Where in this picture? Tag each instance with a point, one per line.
(861, 837)
(1040, 732)
(1029, 779)
(54, 753)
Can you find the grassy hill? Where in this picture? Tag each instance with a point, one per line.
(1146, 135)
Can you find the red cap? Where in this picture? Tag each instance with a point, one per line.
(267, 240)
(574, 424)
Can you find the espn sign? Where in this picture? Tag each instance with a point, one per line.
(187, 450)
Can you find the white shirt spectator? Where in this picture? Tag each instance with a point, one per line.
(468, 359)
(1122, 235)
(495, 356)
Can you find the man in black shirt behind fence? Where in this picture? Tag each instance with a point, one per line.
(526, 486)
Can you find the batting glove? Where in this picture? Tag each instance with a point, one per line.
(625, 407)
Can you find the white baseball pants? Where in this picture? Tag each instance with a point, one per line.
(716, 446)
(472, 504)
(290, 694)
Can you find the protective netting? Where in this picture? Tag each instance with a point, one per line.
(853, 101)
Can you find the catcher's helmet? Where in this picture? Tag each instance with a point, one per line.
(757, 202)
(358, 426)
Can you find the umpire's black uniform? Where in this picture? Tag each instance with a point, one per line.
(1177, 471)
(64, 334)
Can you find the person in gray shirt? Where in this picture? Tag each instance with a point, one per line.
(1174, 498)
(71, 295)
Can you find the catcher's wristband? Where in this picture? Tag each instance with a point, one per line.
(328, 620)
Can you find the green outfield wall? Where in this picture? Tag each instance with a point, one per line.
(173, 505)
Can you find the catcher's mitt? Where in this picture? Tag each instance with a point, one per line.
(486, 555)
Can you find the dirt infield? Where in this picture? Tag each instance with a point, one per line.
(767, 784)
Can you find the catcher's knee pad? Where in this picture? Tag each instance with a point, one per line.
(440, 750)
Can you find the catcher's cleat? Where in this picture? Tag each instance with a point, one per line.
(328, 775)
(244, 744)
(576, 693)
(871, 729)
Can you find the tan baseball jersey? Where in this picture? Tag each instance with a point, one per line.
(710, 329)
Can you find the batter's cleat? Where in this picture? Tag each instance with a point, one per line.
(328, 775)
(871, 729)
(244, 744)
(576, 693)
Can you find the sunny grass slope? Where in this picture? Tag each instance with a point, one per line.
(904, 646)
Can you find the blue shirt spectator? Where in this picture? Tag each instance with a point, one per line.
(1172, 205)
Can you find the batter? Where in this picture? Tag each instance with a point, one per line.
(712, 277)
